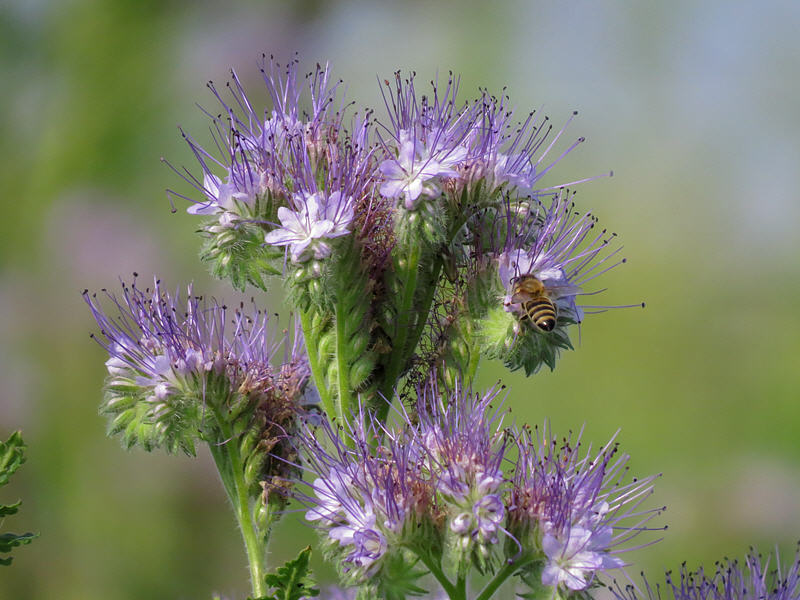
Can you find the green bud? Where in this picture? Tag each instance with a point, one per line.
(262, 515)
(252, 470)
(248, 442)
(327, 344)
(459, 350)
(241, 404)
(361, 370)
(359, 343)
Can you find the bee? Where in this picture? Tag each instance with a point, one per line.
(535, 300)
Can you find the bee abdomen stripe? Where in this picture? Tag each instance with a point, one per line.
(541, 308)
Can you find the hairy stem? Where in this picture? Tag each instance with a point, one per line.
(425, 307)
(474, 358)
(499, 578)
(436, 571)
(461, 586)
(400, 350)
(231, 469)
(314, 362)
(345, 405)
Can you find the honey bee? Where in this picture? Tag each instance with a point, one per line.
(535, 300)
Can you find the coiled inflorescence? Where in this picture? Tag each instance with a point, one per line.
(175, 363)
(754, 578)
(563, 515)
(411, 245)
(438, 198)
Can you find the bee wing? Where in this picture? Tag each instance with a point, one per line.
(560, 291)
(520, 297)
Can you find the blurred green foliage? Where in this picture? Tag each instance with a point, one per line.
(692, 104)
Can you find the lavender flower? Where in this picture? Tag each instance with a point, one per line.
(557, 246)
(545, 256)
(465, 444)
(315, 220)
(414, 165)
(755, 580)
(254, 147)
(505, 152)
(426, 141)
(170, 356)
(366, 501)
(285, 178)
(576, 507)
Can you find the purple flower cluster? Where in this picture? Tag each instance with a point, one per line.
(366, 500)
(456, 189)
(306, 177)
(758, 578)
(163, 341)
(432, 144)
(576, 506)
(464, 446)
(168, 355)
(558, 246)
(299, 167)
(568, 510)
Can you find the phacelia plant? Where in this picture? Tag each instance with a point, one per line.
(410, 243)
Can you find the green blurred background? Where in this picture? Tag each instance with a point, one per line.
(693, 104)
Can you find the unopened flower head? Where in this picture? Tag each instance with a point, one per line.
(464, 443)
(755, 578)
(366, 501)
(576, 507)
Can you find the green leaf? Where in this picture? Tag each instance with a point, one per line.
(399, 576)
(11, 540)
(293, 580)
(11, 457)
(9, 509)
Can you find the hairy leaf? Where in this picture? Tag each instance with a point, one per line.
(11, 457)
(293, 580)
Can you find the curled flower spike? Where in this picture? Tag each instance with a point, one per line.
(170, 356)
(508, 152)
(758, 578)
(576, 507)
(559, 247)
(253, 148)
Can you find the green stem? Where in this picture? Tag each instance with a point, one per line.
(437, 572)
(499, 578)
(231, 469)
(345, 405)
(461, 586)
(314, 362)
(425, 306)
(403, 321)
(474, 357)
(403, 345)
